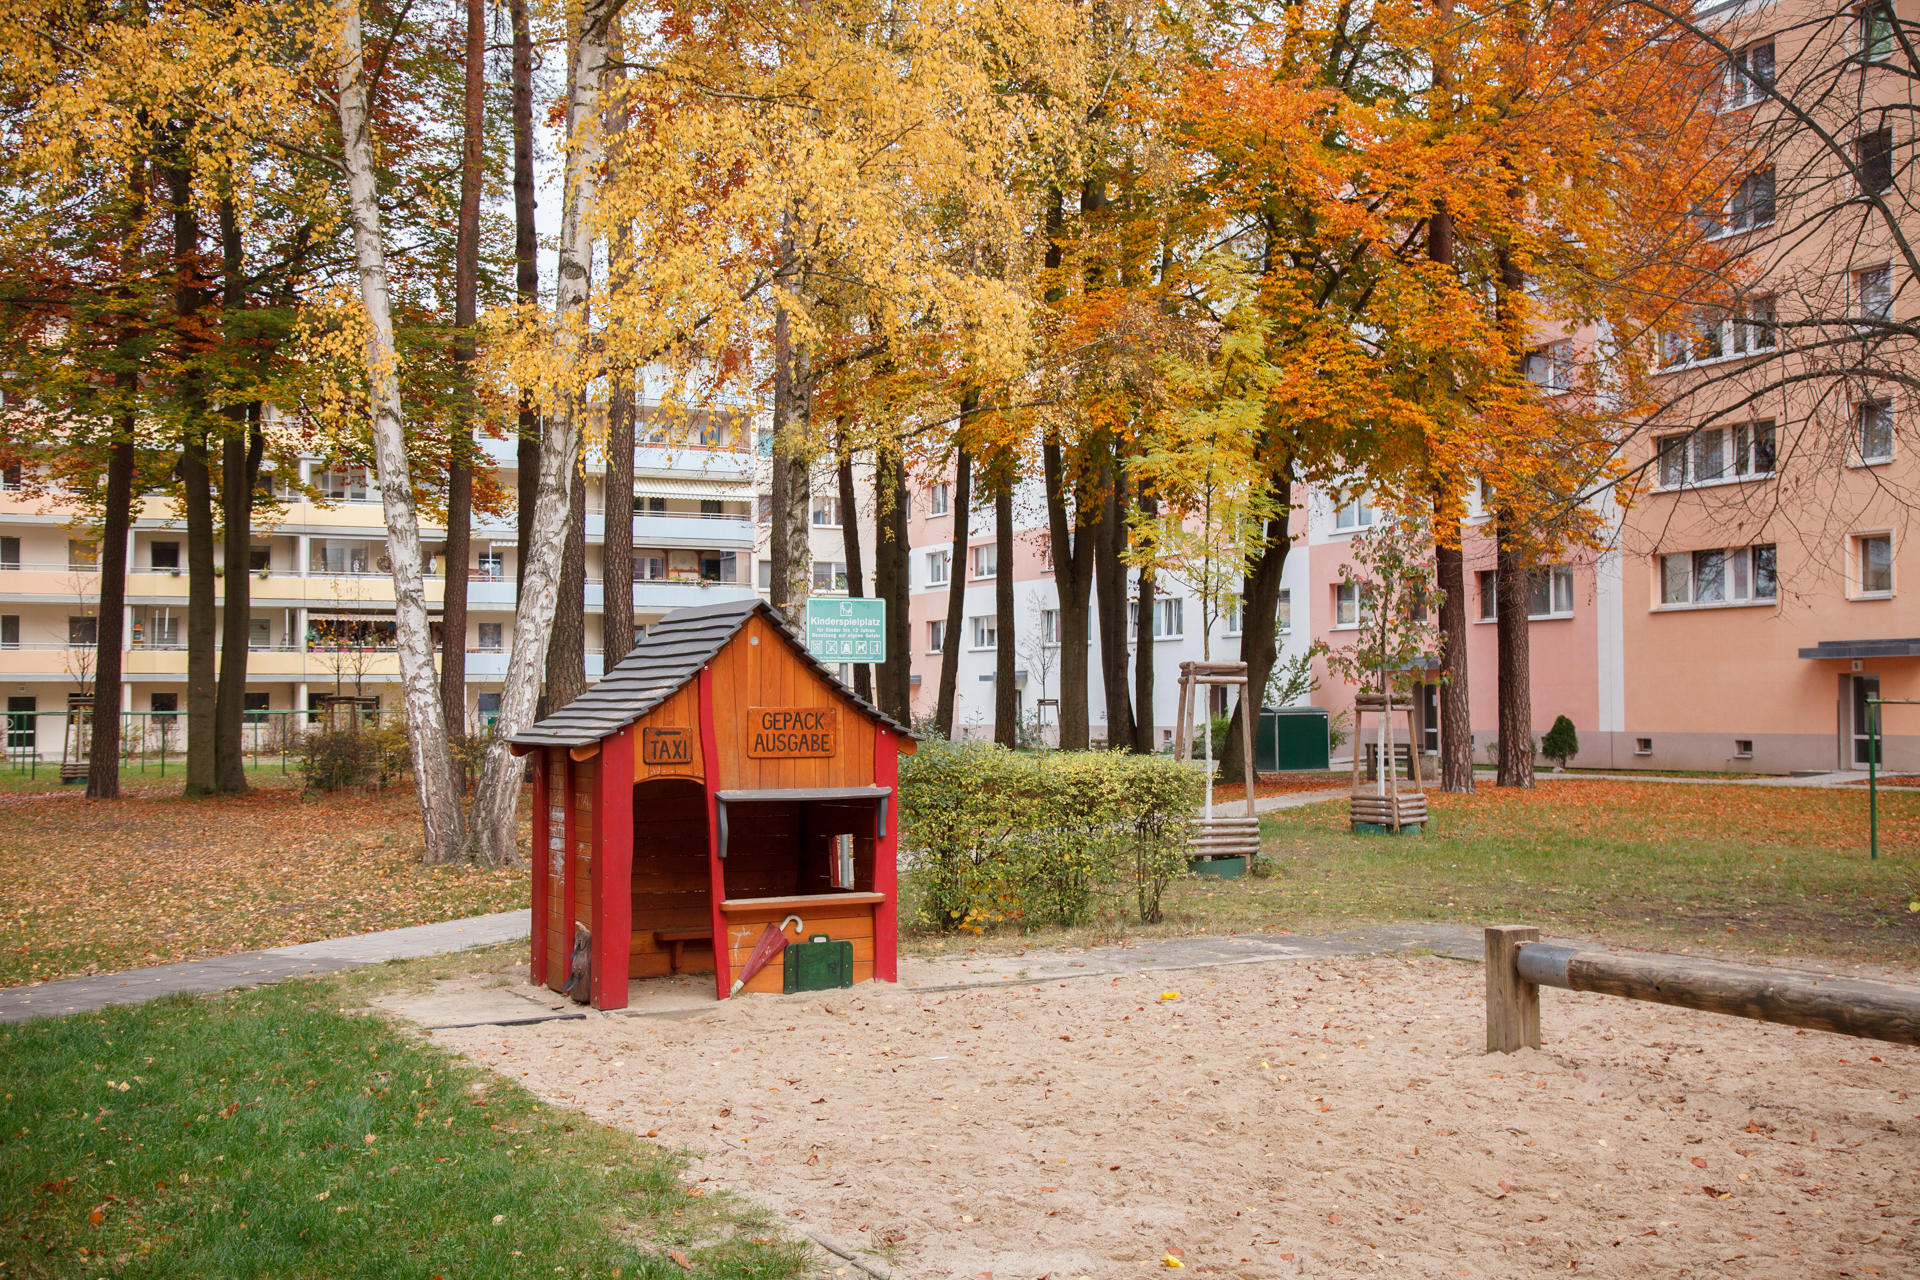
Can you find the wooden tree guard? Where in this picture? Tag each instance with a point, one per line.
(1218, 837)
(1385, 804)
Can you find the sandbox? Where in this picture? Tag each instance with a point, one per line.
(1275, 1119)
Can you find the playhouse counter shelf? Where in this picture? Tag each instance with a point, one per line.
(842, 917)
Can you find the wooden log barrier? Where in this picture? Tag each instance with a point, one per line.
(1518, 965)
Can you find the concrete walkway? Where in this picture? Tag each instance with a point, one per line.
(258, 968)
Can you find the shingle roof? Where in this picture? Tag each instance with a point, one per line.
(673, 652)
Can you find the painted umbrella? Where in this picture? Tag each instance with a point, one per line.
(773, 940)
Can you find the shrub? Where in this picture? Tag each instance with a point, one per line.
(1000, 835)
(1561, 742)
(335, 759)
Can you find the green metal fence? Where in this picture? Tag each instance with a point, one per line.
(152, 741)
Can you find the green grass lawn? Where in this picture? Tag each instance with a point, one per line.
(1776, 871)
(267, 1133)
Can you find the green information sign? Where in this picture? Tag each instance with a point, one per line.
(847, 630)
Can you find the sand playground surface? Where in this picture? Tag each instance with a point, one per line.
(1274, 1119)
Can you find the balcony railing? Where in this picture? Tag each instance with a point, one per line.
(28, 566)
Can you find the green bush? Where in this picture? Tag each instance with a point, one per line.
(1000, 836)
(1561, 742)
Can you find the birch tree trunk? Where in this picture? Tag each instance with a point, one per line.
(499, 790)
(433, 774)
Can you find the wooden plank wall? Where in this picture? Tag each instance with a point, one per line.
(554, 865)
(671, 888)
(583, 793)
(681, 711)
(851, 922)
(770, 674)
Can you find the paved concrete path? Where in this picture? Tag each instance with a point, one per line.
(258, 968)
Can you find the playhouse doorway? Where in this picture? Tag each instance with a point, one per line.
(672, 885)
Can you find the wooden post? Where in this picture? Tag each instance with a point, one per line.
(886, 853)
(1183, 718)
(1513, 1004)
(613, 871)
(1249, 711)
(717, 871)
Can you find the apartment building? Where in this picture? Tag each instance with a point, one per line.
(321, 617)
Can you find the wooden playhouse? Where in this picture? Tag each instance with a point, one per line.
(716, 781)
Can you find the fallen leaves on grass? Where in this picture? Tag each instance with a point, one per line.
(99, 886)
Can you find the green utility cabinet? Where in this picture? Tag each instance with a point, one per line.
(818, 964)
(1291, 739)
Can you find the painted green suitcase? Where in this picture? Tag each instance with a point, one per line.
(818, 964)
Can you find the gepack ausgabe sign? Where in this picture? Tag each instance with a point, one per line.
(847, 630)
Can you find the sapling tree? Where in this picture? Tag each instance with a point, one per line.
(1388, 583)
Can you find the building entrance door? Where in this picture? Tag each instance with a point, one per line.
(1864, 687)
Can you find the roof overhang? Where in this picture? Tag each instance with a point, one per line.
(1864, 649)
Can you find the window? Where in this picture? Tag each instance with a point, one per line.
(493, 566)
(1346, 604)
(1284, 614)
(10, 477)
(766, 574)
(1873, 161)
(490, 636)
(986, 560)
(651, 568)
(906, 504)
(1169, 619)
(260, 559)
(985, 633)
(719, 566)
(1753, 331)
(1743, 748)
(164, 555)
(1732, 575)
(826, 511)
(1876, 32)
(763, 509)
(1643, 746)
(829, 575)
(349, 485)
(166, 704)
(9, 553)
(710, 508)
(936, 636)
(763, 442)
(1753, 449)
(1709, 454)
(1550, 592)
(1676, 348)
(1752, 203)
(488, 705)
(259, 633)
(9, 631)
(163, 630)
(937, 495)
(83, 632)
(937, 566)
(82, 554)
(1355, 514)
(1873, 293)
(1049, 626)
(1489, 595)
(1551, 367)
(653, 507)
(1749, 72)
(1873, 430)
(1876, 564)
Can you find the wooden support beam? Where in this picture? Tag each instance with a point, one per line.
(1844, 1006)
(1513, 1003)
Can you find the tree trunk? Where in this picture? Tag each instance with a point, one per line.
(433, 774)
(526, 259)
(1143, 653)
(956, 581)
(466, 311)
(850, 538)
(1456, 717)
(892, 573)
(236, 512)
(567, 649)
(499, 791)
(1072, 546)
(1512, 594)
(1110, 582)
(1006, 698)
(239, 465)
(103, 759)
(616, 549)
(196, 484)
(1259, 618)
(792, 495)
